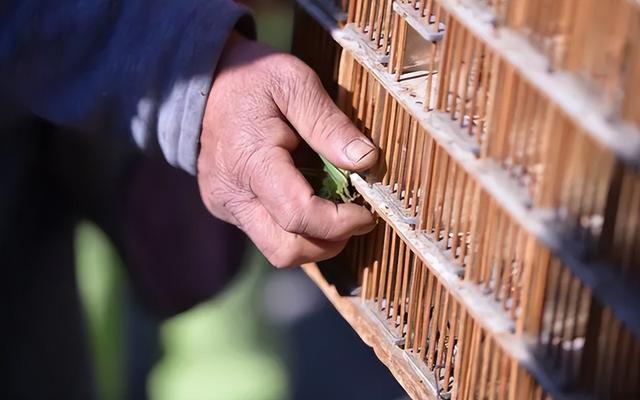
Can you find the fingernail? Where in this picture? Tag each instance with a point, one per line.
(357, 150)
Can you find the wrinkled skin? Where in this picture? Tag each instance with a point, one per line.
(262, 104)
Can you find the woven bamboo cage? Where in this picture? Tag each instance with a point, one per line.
(506, 261)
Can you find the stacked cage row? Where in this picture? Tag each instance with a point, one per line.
(575, 183)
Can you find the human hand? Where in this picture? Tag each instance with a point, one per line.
(258, 101)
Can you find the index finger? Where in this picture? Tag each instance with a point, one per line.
(323, 126)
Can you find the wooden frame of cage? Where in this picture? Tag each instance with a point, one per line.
(506, 211)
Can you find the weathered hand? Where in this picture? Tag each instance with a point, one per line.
(258, 101)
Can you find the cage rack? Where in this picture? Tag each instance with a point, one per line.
(506, 261)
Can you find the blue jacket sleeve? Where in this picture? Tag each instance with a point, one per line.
(137, 68)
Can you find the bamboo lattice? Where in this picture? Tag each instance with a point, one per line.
(506, 261)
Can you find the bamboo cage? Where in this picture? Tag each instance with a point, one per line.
(506, 260)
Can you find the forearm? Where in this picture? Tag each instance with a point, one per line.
(136, 68)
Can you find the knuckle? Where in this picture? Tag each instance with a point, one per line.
(296, 223)
(294, 220)
(293, 224)
(292, 81)
(285, 67)
(307, 86)
(291, 66)
(306, 76)
(294, 216)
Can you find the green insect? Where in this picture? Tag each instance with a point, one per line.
(336, 186)
(332, 183)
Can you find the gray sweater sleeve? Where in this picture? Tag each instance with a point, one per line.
(136, 68)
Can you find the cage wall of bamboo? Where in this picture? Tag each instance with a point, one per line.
(506, 263)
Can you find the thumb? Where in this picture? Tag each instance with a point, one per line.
(323, 126)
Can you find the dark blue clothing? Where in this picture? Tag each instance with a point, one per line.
(136, 68)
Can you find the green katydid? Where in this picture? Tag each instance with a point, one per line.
(335, 184)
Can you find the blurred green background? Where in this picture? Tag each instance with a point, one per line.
(222, 349)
